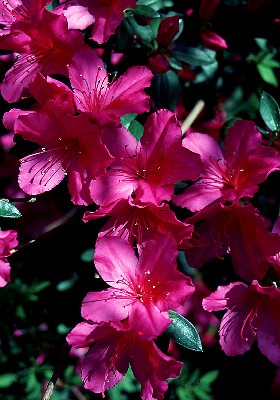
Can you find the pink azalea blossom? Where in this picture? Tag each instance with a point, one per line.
(104, 98)
(12, 11)
(111, 348)
(253, 314)
(210, 39)
(231, 173)
(8, 241)
(105, 16)
(239, 230)
(139, 223)
(71, 146)
(142, 289)
(44, 44)
(146, 170)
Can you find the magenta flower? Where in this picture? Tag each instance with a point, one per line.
(8, 241)
(146, 170)
(71, 146)
(139, 223)
(105, 16)
(231, 173)
(111, 348)
(106, 99)
(253, 314)
(12, 11)
(44, 44)
(236, 229)
(142, 290)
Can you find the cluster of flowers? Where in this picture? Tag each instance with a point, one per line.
(76, 122)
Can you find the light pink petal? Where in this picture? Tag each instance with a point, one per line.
(38, 175)
(107, 305)
(78, 16)
(115, 261)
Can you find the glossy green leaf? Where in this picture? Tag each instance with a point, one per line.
(8, 210)
(183, 332)
(195, 56)
(127, 118)
(145, 11)
(270, 112)
(156, 4)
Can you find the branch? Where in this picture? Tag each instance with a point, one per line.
(192, 116)
(57, 373)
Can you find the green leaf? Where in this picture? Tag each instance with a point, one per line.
(201, 394)
(270, 112)
(127, 118)
(194, 55)
(136, 129)
(8, 210)
(184, 393)
(87, 256)
(6, 380)
(267, 74)
(143, 10)
(209, 377)
(183, 332)
(155, 4)
(144, 32)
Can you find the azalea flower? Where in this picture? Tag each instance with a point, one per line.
(71, 146)
(105, 16)
(106, 98)
(111, 348)
(142, 289)
(239, 230)
(137, 223)
(8, 241)
(12, 11)
(44, 44)
(146, 170)
(253, 314)
(228, 174)
(210, 39)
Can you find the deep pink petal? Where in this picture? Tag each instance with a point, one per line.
(152, 369)
(5, 271)
(128, 92)
(213, 41)
(148, 319)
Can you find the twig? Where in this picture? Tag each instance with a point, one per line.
(192, 116)
(56, 374)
